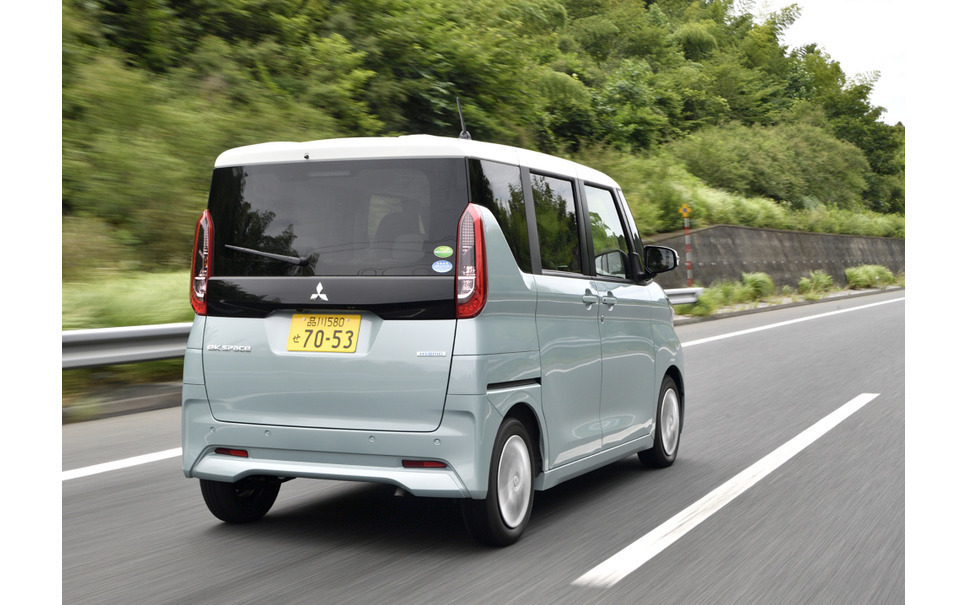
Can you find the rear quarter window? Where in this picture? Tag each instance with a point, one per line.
(498, 188)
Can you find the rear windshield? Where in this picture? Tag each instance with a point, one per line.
(360, 217)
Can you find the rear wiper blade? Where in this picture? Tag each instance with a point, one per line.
(302, 261)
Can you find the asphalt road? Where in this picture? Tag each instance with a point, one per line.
(823, 523)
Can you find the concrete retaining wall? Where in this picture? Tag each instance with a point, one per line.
(725, 252)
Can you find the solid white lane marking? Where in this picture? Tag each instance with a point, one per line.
(787, 323)
(635, 555)
(119, 464)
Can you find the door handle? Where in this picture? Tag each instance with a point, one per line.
(610, 300)
(589, 299)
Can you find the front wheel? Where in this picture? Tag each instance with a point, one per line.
(244, 501)
(500, 518)
(668, 427)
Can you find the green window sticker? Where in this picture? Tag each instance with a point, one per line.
(443, 251)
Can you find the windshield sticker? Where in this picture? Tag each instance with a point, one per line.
(442, 266)
(443, 251)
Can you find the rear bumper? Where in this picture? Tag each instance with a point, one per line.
(468, 423)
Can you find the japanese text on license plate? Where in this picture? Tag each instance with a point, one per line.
(323, 333)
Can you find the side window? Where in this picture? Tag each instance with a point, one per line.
(557, 222)
(609, 242)
(497, 187)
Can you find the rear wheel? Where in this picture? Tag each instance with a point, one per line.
(668, 426)
(244, 501)
(500, 518)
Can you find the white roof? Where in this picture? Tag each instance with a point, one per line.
(410, 146)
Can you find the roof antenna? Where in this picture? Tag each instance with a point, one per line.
(464, 135)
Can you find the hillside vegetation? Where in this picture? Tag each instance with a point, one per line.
(682, 101)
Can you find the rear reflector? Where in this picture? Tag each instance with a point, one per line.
(423, 464)
(230, 452)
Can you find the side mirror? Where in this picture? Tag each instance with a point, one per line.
(612, 262)
(658, 259)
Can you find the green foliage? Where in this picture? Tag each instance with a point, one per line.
(760, 285)
(758, 288)
(696, 41)
(869, 276)
(682, 101)
(815, 285)
(88, 244)
(817, 282)
(113, 300)
(753, 288)
(792, 162)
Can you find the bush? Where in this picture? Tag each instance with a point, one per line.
(753, 288)
(760, 285)
(816, 283)
(868, 276)
(792, 162)
(707, 303)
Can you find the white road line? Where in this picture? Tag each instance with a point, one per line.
(639, 552)
(786, 323)
(119, 464)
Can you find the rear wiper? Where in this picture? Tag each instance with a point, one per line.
(302, 261)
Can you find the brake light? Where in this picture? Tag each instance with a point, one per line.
(471, 264)
(202, 262)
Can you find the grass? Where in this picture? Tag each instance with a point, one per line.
(869, 276)
(758, 287)
(657, 186)
(815, 285)
(112, 301)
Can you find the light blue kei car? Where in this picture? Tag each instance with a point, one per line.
(456, 318)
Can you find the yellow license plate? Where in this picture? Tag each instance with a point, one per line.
(323, 333)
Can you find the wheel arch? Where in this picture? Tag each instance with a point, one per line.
(527, 416)
(676, 374)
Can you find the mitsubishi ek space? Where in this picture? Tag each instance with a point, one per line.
(456, 318)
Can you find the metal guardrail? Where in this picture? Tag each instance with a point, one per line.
(110, 346)
(683, 296)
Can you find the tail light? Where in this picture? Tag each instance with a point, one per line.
(202, 262)
(471, 264)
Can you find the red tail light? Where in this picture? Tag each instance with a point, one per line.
(471, 264)
(202, 262)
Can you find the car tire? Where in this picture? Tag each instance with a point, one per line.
(668, 427)
(244, 501)
(501, 517)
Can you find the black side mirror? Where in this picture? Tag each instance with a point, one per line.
(658, 259)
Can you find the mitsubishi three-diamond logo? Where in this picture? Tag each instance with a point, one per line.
(319, 293)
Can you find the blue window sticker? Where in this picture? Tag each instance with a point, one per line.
(442, 266)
